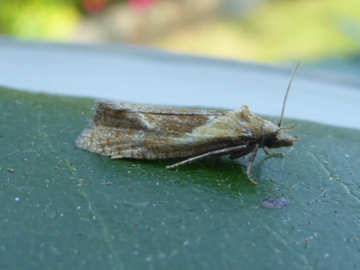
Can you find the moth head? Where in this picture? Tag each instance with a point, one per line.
(280, 138)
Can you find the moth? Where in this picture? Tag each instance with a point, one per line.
(122, 130)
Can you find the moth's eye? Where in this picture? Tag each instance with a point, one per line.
(270, 141)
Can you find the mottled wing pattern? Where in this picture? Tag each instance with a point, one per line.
(124, 130)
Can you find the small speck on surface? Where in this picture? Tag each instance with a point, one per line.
(276, 203)
(17, 199)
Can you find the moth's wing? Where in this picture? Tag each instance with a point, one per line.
(124, 130)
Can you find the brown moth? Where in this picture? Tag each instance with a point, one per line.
(122, 130)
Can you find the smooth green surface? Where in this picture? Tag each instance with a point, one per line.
(65, 208)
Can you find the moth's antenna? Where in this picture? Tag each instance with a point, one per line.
(287, 93)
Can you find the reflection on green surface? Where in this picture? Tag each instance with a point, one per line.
(66, 208)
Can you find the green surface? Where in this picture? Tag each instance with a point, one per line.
(64, 208)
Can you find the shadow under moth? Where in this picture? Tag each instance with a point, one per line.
(123, 130)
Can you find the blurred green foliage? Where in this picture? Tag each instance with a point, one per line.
(44, 19)
(276, 31)
(38, 18)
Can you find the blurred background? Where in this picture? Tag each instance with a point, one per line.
(317, 32)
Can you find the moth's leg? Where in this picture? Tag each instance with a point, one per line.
(221, 151)
(242, 153)
(116, 157)
(273, 154)
(251, 162)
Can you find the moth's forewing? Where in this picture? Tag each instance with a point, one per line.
(147, 132)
